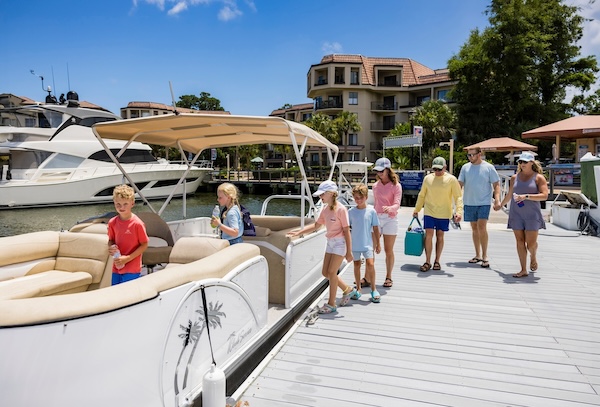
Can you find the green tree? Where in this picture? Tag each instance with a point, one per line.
(513, 76)
(204, 102)
(438, 121)
(323, 125)
(346, 123)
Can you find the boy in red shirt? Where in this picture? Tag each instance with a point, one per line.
(127, 237)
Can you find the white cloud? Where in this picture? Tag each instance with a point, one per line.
(229, 11)
(590, 42)
(332, 48)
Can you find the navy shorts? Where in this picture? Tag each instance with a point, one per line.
(122, 278)
(429, 222)
(474, 213)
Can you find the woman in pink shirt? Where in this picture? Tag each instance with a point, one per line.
(339, 244)
(387, 192)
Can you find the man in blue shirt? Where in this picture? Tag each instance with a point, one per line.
(480, 181)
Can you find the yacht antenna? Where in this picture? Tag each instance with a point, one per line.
(173, 99)
(68, 77)
(53, 84)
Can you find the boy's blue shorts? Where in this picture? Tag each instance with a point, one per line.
(122, 278)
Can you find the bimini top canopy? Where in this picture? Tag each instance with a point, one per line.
(197, 132)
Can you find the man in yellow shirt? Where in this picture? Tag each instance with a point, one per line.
(438, 192)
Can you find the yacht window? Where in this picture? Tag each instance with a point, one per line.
(64, 161)
(24, 160)
(129, 157)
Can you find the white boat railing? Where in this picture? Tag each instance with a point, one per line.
(311, 212)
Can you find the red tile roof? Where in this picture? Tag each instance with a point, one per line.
(413, 72)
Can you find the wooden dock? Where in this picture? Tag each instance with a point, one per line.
(464, 336)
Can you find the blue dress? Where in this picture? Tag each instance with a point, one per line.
(529, 216)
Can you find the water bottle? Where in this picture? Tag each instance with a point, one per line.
(216, 213)
(520, 204)
(117, 255)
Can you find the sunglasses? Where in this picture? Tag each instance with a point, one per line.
(380, 172)
(438, 169)
(472, 155)
(522, 162)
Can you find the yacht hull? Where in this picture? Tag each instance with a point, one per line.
(96, 185)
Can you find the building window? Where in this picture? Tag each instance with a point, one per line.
(353, 98)
(442, 95)
(422, 99)
(134, 113)
(354, 77)
(146, 113)
(306, 116)
(352, 139)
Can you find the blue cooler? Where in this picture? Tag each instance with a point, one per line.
(414, 239)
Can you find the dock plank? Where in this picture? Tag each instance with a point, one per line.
(462, 336)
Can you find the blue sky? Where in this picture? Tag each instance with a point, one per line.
(253, 55)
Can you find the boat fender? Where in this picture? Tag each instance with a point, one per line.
(213, 388)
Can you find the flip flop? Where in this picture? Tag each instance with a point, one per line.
(474, 260)
(388, 283)
(520, 274)
(485, 264)
(436, 265)
(533, 266)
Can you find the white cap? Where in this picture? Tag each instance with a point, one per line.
(382, 163)
(326, 186)
(526, 156)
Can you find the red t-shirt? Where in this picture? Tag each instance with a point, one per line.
(128, 235)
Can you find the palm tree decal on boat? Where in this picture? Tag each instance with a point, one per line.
(192, 334)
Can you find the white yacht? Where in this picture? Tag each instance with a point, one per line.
(49, 156)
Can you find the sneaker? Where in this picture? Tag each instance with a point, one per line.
(346, 297)
(355, 294)
(327, 309)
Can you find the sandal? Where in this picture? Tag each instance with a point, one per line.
(364, 283)
(436, 265)
(474, 260)
(355, 295)
(533, 266)
(425, 267)
(388, 283)
(375, 297)
(327, 309)
(521, 274)
(485, 264)
(346, 296)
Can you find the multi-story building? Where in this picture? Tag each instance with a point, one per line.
(381, 91)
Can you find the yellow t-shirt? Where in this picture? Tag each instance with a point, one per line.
(437, 194)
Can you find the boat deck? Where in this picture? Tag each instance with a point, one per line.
(464, 336)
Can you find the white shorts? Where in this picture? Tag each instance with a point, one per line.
(336, 245)
(387, 225)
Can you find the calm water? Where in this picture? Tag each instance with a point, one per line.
(18, 221)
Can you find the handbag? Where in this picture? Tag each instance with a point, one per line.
(414, 239)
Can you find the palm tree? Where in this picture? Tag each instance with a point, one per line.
(346, 123)
(192, 334)
(323, 125)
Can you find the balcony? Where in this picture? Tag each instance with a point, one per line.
(375, 146)
(339, 80)
(384, 106)
(389, 83)
(329, 104)
(321, 82)
(382, 126)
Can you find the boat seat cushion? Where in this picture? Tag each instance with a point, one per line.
(192, 248)
(42, 284)
(83, 251)
(17, 249)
